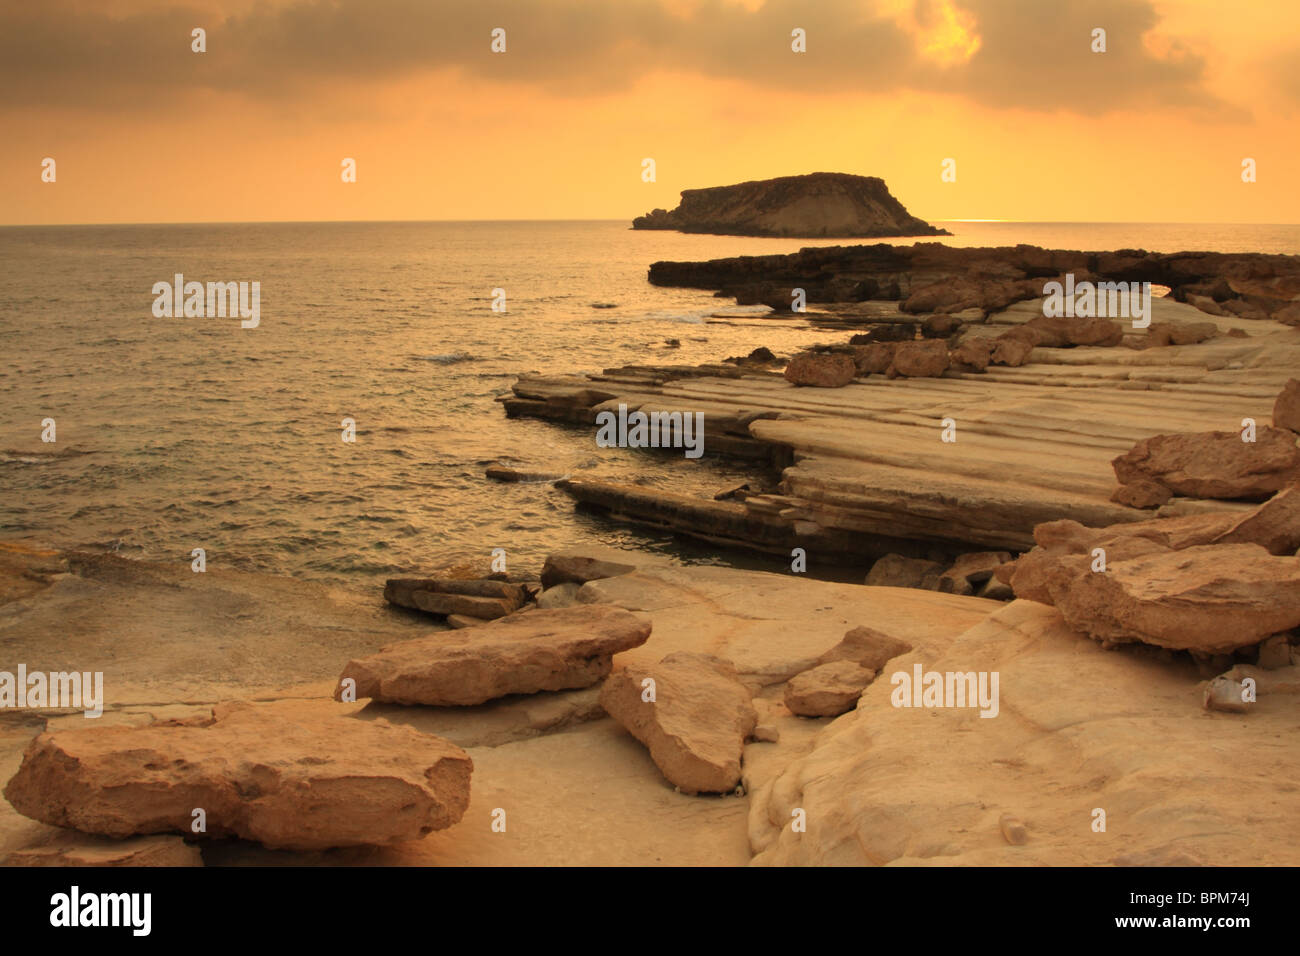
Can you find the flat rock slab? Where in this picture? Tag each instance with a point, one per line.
(696, 723)
(558, 649)
(296, 784)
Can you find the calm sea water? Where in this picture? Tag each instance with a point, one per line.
(179, 433)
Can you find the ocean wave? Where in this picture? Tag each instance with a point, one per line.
(448, 358)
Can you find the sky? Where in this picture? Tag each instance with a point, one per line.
(142, 128)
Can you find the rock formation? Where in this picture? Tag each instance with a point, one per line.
(692, 714)
(817, 205)
(522, 654)
(254, 774)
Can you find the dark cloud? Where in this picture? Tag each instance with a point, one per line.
(1033, 54)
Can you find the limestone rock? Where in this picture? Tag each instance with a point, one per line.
(1061, 331)
(1208, 598)
(562, 595)
(283, 782)
(898, 571)
(1286, 410)
(972, 568)
(831, 370)
(571, 566)
(867, 647)
(1275, 524)
(1013, 830)
(542, 650)
(468, 605)
(1275, 652)
(1224, 693)
(827, 690)
(874, 358)
(973, 353)
(1142, 493)
(697, 724)
(1011, 351)
(926, 359)
(481, 598)
(1214, 464)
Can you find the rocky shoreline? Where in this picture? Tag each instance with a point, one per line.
(1084, 591)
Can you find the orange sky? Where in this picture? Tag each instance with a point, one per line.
(144, 130)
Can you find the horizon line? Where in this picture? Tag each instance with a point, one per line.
(307, 222)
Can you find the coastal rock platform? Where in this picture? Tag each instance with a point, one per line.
(969, 460)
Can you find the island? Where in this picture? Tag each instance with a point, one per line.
(814, 206)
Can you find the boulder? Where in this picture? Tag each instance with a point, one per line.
(286, 782)
(481, 598)
(562, 595)
(1225, 694)
(971, 569)
(1179, 333)
(827, 690)
(1011, 350)
(874, 359)
(570, 566)
(973, 354)
(697, 723)
(1207, 599)
(558, 649)
(1142, 493)
(1214, 464)
(832, 370)
(484, 608)
(924, 359)
(1275, 524)
(897, 571)
(1064, 331)
(1286, 410)
(866, 647)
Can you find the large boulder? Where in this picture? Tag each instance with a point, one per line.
(1209, 599)
(831, 370)
(696, 723)
(1214, 464)
(286, 782)
(556, 649)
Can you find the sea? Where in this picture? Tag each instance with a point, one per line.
(175, 433)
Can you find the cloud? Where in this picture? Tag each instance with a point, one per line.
(1024, 54)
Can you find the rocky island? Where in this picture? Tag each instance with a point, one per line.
(817, 205)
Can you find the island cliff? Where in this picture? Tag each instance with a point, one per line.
(818, 205)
